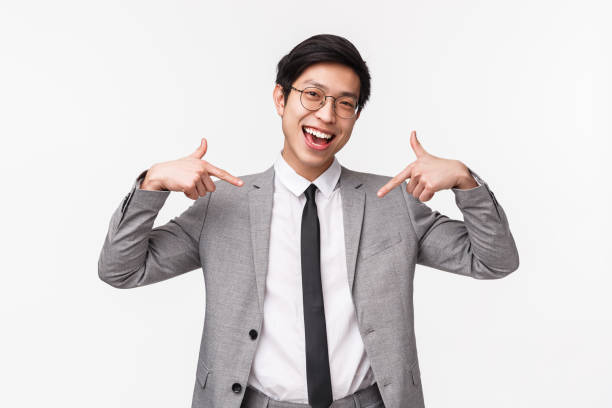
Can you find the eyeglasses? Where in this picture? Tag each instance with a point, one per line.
(313, 99)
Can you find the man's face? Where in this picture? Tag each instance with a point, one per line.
(301, 150)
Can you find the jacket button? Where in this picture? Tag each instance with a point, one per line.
(236, 388)
(253, 334)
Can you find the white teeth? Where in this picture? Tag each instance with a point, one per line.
(317, 133)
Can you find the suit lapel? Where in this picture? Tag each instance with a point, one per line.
(260, 209)
(353, 202)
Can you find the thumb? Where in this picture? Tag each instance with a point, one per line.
(201, 150)
(416, 145)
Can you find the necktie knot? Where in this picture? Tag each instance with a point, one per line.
(310, 192)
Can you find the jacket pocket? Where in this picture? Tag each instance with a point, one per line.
(380, 246)
(202, 375)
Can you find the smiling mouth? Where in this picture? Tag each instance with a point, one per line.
(318, 137)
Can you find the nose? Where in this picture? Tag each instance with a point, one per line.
(326, 112)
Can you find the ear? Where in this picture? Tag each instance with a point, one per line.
(358, 113)
(279, 99)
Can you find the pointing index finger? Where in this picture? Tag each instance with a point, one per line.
(395, 181)
(224, 175)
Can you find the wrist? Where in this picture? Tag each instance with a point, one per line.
(149, 186)
(150, 183)
(465, 180)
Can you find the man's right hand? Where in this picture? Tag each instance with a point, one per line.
(190, 174)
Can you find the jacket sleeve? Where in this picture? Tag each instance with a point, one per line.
(136, 254)
(481, 246)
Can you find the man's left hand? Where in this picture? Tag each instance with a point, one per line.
(429, 174)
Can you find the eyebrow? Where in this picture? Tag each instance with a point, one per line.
(320, 85)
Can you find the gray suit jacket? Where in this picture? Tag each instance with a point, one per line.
(227, 232)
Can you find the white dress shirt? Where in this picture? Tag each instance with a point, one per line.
(279, 365)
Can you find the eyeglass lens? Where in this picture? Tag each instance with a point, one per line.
(314, 98)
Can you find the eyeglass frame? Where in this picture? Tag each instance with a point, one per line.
(335, 98)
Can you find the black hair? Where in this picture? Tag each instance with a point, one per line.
(323, 48)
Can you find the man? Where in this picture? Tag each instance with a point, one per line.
(309, 266)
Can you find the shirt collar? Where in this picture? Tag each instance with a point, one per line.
(326, 182)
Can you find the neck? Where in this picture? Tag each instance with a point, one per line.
(309, 173)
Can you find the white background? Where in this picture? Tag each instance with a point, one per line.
(92, 93)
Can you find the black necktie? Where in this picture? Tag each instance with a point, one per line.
(317, 360)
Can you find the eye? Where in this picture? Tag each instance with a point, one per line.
(347, 104)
